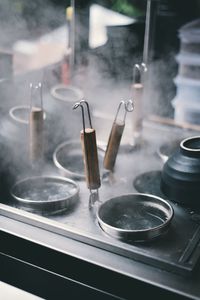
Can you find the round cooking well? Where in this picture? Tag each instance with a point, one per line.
(66, 93)
(191, 144)
(45, 194)
(68, 158)
(137, 217)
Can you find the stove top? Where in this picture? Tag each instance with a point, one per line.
(177, 251)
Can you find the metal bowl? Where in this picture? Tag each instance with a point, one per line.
(68, 158)
(67, 93)
(135, 217)
(45, 194)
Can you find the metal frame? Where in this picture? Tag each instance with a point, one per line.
(184, 264)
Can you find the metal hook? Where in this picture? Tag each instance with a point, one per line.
(88, 110)
(128, 106)
(41, 93)
(76, 105)
(144, 67)
(138, 71)
(39, 86)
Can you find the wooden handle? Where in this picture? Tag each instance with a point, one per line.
(36, 134)
(138, 109)
(90, 157)
(113, 145)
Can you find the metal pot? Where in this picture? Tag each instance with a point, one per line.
(45, 194)
(135, 217)
(180, 179)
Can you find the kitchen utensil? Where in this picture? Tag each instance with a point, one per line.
(115, 136)
(89, 148)
(36, 126)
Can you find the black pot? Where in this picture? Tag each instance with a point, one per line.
(180, 180)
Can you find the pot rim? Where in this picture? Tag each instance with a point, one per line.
(55, 92)
(182, 144)
(59, 165)
(126, 231)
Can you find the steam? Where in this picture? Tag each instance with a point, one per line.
(27, 20)
(105, 81)
(160, 86)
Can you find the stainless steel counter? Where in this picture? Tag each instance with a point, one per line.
(77, 235)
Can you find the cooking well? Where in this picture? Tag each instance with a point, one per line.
(68, 158)
(135, 217)
(180, 180)
(167, 149)
(67, 93)
(45, 194)
(20, 113)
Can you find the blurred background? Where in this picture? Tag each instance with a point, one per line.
(109, 38)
